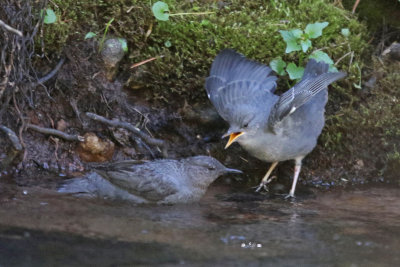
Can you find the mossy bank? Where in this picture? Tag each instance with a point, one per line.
(186, 45)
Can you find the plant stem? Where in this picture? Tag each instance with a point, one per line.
(105, 33)
(190, 13)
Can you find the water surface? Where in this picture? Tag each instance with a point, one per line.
(357, 227)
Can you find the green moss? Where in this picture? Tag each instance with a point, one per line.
(369, 130)
(250, 27)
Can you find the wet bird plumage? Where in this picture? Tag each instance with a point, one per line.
(160, 181)
(272, 128)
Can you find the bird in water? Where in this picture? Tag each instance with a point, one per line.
(272, 128)
(158, 181)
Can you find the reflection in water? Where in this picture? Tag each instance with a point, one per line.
(345, 228)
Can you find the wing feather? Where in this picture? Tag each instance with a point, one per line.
(315, 79)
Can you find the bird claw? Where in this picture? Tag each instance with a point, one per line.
(263, 184)
(290, 196)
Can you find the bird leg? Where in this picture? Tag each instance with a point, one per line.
(266, 178)
(297, 168)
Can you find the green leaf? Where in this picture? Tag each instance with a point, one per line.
(167, 43)
(332, 68)
(160, 11)
(278, 65)
(305, 44)
(297, 33)
(124, 44)
(324, 57)
(288, 36)
(90, 35)
(315, 30)
(321, 56)
(50, 16)
(345, 32)
(292, 46)
(295, 72)
(292, 39)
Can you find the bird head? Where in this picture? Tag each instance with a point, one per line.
(206, 169)
(243, 126)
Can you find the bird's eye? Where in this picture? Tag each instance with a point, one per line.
(211, 168)
(245, 125)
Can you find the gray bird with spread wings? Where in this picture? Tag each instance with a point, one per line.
(272, 128)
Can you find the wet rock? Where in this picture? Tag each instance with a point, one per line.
(204, 114)
(95, 149)
(392, 52)
(112, 53)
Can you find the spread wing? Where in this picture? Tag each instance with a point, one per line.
(141, 180)
(236, 84)
(315, 79)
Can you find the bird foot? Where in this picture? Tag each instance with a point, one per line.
(290, 196)
(263, 184)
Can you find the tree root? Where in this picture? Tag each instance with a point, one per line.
(126, 125)
(12, 137)
(11, 29)
(50, 131)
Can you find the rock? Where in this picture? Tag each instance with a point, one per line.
(112, 53)
(392, 52)
(95, 149)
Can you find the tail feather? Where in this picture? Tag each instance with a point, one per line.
(75, 186)
(93, 185)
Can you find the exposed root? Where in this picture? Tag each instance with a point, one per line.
(50, 131)
(12, 137)
(126, 125)
(51, 73)
(11, 29)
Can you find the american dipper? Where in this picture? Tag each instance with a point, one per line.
(272, 128)
(160, 181)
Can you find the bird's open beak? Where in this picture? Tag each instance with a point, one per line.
(232, 138)
(229, 170)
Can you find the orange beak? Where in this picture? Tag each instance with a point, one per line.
(232, 138)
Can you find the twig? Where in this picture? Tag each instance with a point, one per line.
(126, 125)
(68, 137)
(342, 57)
(11, 29)
(12, 136)
(145, 61)
(355, 6)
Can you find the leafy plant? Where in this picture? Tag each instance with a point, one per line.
(300, 40)
(297, 39)
(278, 65)
(294, 72)
(90, 35)
(50, 17)
(161, 11)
